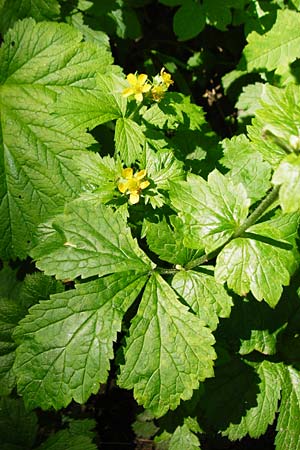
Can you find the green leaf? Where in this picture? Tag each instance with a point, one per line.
(144, 425)
(37, 167)
(81, 109)
(261, 261)
(96, 36)
(9, 284)
(183, 437)
(168, 350)
(257, 419)
(100, 174)
(129, 140)
(18, 427)
(34, 288)
(11, 312)
(89, 240)
(162, 168)
(167, 241)
(77, 437)
(287, 175)
(127, 23)
(250, 99)
(219, 12)
(208, 299)
(189, 20)
(211, 210)
(276, 123)
(278, 47)
(288, 432)
(247, 166)
(11, 11)
(65, 343)
(37, 287)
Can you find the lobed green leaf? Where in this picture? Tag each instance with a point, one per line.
(89, 239)
(168, 351)
(37, 169)
(262, 260)
(211, 210)
(65, 343)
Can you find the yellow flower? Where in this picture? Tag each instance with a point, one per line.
(138, 86)
(133, 184)
(158, 92)
(166, 78)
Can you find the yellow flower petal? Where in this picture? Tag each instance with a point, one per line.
(127, 91)
(144, 184)
(132, 79)
(141, 79)
(127, 173)
(139, 97)
(146, 88)
(166, 77)
(141, 174)
(134, 198)
(122, 187)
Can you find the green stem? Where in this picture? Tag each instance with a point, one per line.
(258, 212)
(136, 110)
(163, 271)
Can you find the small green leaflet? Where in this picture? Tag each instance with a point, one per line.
(11, 11)
(277, 123)
(76, 19)
(77, 437)
(129, 140)
(162, 168)
(184, 438)
(212, 210)
(288, 430)
(168, 351)
(262, 260)
(167, 241)
(208, 299)
(100, 174)
(189, 20)
(247, 166)
(175, 111)
(89, 239)
(65, 343)
(257, 419)
(278, 47)
(36, 149)
(219, 12)
(287, 175)
(250, 100)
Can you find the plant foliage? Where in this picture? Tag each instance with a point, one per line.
(164, 256)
